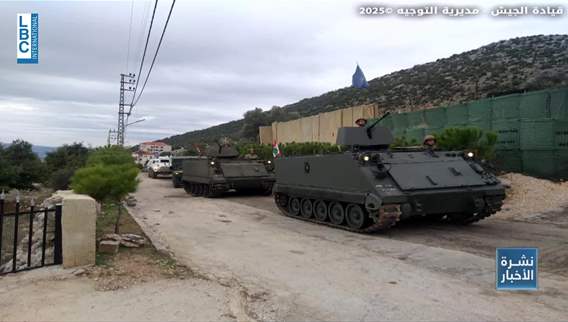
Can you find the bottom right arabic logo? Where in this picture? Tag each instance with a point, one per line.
(517, 268)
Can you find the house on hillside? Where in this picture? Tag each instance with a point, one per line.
(149, 150)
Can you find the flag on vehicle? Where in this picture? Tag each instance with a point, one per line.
(275, 150)
(358, 80)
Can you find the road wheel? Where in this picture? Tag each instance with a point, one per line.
(307, 208)
(194, 189)
(320, 210)
(356, 216)
(187, 187)
(200, 189)
(336, 213)
(281, 200)
(267, 190)
(294, 206)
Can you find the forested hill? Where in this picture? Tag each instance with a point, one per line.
(504, 67)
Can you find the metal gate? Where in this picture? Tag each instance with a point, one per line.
(29, 239)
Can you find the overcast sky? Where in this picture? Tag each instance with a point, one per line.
(219, 59)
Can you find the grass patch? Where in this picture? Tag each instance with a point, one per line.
(107, 219)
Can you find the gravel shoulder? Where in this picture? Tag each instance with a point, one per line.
(55, 294)
(294, 270)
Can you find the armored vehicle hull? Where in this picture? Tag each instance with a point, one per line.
(177, 170)
(370, 188)
(211, 177)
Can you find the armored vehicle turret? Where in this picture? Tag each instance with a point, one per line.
(221, 169)
(371, 187)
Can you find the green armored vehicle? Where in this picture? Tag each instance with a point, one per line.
(177, 170)
(222, 170)
(370, 187)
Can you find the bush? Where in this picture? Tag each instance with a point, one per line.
(110, 174)
(469, 139)
(264, 151)
(309, 148)
(60, 179)
(474, 139)
(106, 182)
(62, 163)
(20, 167)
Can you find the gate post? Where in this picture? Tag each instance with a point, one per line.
(58, 251)
(78, 229)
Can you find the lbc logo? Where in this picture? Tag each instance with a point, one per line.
(28, 38)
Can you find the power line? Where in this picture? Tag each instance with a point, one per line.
(144, 54)
(155, 55)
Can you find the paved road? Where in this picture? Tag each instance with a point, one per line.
(293, 270)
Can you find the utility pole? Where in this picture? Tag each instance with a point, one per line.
(111, 139)
(127, 84)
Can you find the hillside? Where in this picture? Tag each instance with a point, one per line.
(40, 150)
(504, 67)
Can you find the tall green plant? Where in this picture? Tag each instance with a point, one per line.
(473, 139)
(110, 174)
(470, 139)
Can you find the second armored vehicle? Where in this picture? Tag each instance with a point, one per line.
(222, 170)
(370, 187)
(177, 169)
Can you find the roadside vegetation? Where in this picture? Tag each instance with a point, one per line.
(20, 167)
(481, 143)
(473, 139)
(108, 176)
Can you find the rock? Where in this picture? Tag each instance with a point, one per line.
(132, 240)
(129, 244)
(131, 201)
(506, 183)
(109, 246)
(52, 201)
(80, 272)
(115, 237)
(156, 210)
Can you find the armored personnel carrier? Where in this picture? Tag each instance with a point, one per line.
(222, 170)
(177, 169)
(370, 187)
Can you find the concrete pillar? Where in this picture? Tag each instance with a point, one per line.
(78, 229)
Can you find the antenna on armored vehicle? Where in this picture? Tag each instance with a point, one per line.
(370, 128)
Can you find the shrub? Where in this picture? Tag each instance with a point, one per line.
(110, 174)
(470, 139)
(106, 182)
(62, 163)
(474, 139)
(20, 167)
(60, 179)
(264, 151)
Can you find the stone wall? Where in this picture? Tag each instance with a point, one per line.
(318, 128)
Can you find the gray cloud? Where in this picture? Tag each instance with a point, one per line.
(219, 59)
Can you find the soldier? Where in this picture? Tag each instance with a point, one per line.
(251, 155)
(429, 142)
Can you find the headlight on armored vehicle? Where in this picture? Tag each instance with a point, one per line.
(366, 158)
(470, 155)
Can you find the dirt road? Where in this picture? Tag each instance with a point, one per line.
(292, 270)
